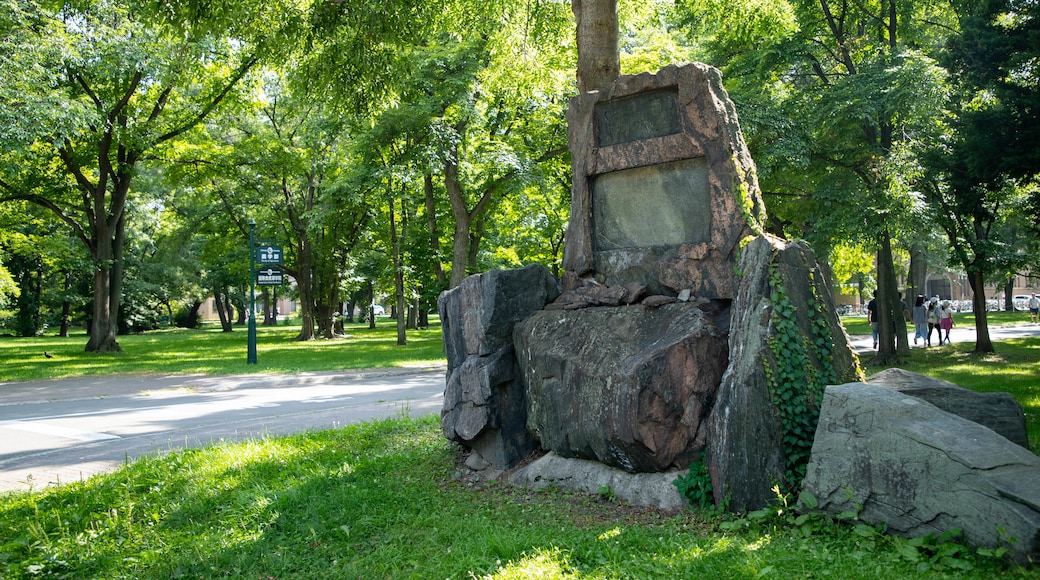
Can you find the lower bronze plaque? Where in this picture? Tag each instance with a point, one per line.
(658, 205)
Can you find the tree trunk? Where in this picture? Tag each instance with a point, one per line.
(222, 313)
(413, 314)
(108, 273)
(1009, 294)
(193, 315)
(269, 300)
(462, 216)
(338, 328)
(892, 342)
(103, 323)
(241, 309)
(431, 225)
(977, 281)
(395, 243)
(305, 287)
(475, 236)
(598, 51)
(371, 306)
(917, 274)
(66, 306)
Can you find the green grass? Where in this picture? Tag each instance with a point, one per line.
(381, 500)
(858, 325)
(1014, 368)
(212, 352)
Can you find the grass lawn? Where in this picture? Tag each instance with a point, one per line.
(385, 500)
(382, 500)
(1014, 368)
(212, 352)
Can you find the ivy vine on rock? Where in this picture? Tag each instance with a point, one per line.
(801, 368)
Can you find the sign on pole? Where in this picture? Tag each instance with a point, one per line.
(269, 277)
(268, 254)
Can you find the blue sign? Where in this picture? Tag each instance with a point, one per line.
(269, 255)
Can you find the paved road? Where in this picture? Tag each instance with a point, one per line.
(64, 430)
(864, 344)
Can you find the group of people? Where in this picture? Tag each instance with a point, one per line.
(927, 315)
(930, 314)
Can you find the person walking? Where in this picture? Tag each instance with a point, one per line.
(872, 317)
(1034, 308)
(933, 321)
(946, 320)
(919, 317)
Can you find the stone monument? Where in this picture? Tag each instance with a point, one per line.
(637, 364)
(664, 187)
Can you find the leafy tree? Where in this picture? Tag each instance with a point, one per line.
(853, 265)
(829, 91)
(975, 174)
(93, 88)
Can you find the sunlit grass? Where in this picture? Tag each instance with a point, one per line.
(212, 352)
(381, 500)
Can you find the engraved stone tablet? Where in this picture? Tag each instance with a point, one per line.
(658, 205)
(653, 114)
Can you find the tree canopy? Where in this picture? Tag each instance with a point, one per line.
(396, 147)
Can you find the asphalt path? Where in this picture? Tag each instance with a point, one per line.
(863, 344)
(65, 430)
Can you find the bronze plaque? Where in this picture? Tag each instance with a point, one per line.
(638, 117)
(656, 205)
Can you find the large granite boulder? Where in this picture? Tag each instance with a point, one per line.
(478, 316)
(786, 344)
(484, 403)
(998, 411)
(627, 386)
(918, 470)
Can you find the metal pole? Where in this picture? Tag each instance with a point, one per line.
(251, 354)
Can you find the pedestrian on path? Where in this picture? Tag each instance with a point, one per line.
(946, 320)
(1034, 308)
(920, 319)
(933, 321)
(872, 317)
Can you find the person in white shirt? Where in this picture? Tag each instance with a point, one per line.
(1034, 308)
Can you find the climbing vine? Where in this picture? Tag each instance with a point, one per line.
(802, 367)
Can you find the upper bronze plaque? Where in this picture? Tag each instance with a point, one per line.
(638, 117)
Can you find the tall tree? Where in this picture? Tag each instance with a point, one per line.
(95, 87)
(599, 61)
(993, 149)
(829, 90)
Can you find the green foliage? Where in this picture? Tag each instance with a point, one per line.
(695, 486)
(933, 553)
(798, 372)
(380, 500)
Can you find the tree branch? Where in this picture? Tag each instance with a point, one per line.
(241, 72)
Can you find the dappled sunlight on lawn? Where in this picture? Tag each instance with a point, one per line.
(211, 351)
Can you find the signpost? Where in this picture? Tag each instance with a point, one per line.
(272, 276)
(268, 255)
(251, 348)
